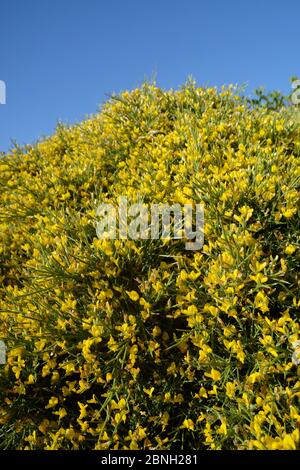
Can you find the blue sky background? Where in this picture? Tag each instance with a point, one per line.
(60, 59)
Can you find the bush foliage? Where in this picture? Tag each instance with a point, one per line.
(140, 344)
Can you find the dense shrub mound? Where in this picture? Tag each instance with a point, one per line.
(123, 344)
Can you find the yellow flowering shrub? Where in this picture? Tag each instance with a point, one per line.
(141, 344)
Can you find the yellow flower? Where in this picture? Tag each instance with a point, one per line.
(112, 344)
(296, 353)
(290, 249)
(254, 377)
(97, 330)
(214, 374)
(61, 413)
(83, 412)
(31, 379)
(108, 377)
(188, 424)
(140, 433)
(133, 295)
(69, 368)
(259, 278)
(230, 389)
(291, 440)
(202, 393)
(52, 402)
(44, 426)
(211, 309)
(288, 213)
(149, 391)
(223, 429)
(120, 417)
(261, 301)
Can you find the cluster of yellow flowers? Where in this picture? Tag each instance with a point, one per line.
(140, 344)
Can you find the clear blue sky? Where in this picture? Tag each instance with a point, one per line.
(60, 59)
